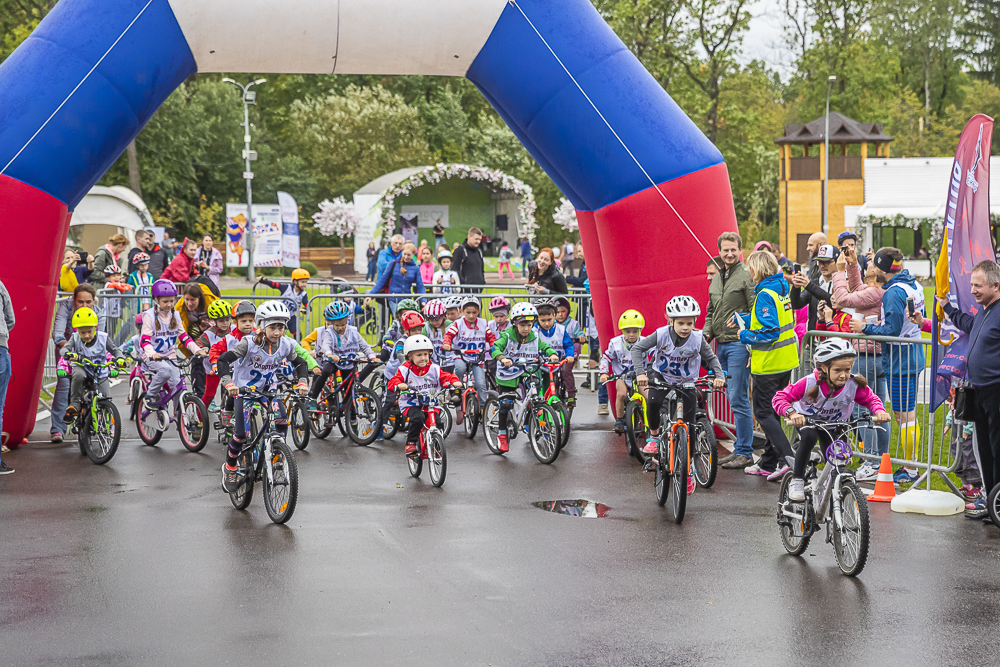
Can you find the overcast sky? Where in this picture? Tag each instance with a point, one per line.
(763, 41)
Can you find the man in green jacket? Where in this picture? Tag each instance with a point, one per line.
(732, 291)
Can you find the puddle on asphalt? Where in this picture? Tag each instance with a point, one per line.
(586, 509)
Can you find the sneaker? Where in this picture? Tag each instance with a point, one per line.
(411, 449)
(212, 407)
(586, 383)
(6, 469)
(230, 479)
(778, 474)
(652, 447)
(867, 472)
(56, 437)
(756, 470)
(312, 406)
(737, 462)
(692, 483)
(620, 425)
(796, 490)
(502, 442)
(902, 476)
(977, 509)
(727, 458)
(459, 416)
(970, 492)
(603, 410)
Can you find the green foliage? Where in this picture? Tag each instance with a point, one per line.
(310, 267)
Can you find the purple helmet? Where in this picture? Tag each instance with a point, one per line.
(163, 288)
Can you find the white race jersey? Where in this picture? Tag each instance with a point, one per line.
(96, 352)
(467, 340)
(909, 329)
(617, 359)
(827, 408)
(259, 368)
(166, 334)
(421, 384)
(676, 364)
(520, 355)
(348, 346)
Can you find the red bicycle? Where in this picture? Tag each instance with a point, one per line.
(470, 397)
(431, 439)
(554, 395)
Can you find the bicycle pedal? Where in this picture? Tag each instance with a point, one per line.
(649, 465)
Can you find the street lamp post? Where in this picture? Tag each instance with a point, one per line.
(826, 156)
(248, 97)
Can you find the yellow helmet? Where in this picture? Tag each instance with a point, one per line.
(219, 309)
(84, 317)
(631, 319)
(300, 274)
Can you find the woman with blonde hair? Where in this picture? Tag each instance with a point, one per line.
(769, 331)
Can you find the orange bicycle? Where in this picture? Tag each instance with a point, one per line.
(672, 463)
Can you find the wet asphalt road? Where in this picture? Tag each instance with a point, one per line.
(144, 561)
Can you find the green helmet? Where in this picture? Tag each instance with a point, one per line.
(407, 304)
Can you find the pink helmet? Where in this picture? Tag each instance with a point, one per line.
(499, 303)
(434, 309)
(138, 321)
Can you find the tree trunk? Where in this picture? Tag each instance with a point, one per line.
(133, 169)
(341, 249)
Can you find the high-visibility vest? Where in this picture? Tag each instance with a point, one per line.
(782, 354)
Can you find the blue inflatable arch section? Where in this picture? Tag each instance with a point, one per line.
(120, 59)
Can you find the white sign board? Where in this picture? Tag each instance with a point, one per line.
(267, 235)
(427, 216)
(289, 229)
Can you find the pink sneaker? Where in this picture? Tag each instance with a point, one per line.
(692, 484)
(651, 448)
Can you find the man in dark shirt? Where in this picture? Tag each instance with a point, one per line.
(468, 261)
(983, 368)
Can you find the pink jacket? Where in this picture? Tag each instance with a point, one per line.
(852, 292)
(784, 399)
(801, 322)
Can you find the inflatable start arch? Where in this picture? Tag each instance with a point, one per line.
(87, 80)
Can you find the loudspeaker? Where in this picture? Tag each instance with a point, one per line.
(501, 223)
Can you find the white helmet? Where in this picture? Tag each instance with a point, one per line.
(470, 301)
(522, 311)
(833, 348)
(417, 343)
(683, 306)
(271, 312)
(453, 302)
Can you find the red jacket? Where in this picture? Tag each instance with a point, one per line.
(447, 379)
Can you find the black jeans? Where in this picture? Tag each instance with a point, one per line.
(808, 437)
(988, 433)
(198, 377)
(777, 447)
(417, 417)
(657, 397)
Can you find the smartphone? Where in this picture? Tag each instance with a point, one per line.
(796, 268)
(909, 306)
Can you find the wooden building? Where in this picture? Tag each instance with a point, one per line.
(802, 173)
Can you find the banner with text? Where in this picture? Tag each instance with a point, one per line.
(290, 230)
(267, 235)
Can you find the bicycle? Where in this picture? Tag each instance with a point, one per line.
(268, 458)
(189, 412)
(530, 413)
(554, 395)
(470, 396)
(706, 447)
(634, 415)
(832, 497)
(673, 458)
(431, 439)
(355, 408)
(297, 409)
(98, 426)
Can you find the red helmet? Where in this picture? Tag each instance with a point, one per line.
(412, 320)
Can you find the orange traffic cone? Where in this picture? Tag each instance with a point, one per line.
(885, 489)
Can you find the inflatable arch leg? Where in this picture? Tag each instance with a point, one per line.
(120, 59)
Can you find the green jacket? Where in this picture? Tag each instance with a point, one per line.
(731, 291)
(508, 337)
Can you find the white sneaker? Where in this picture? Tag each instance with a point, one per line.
(867, 472)
(602, 409)
(796, 490)
(755, 470)
(778, 474)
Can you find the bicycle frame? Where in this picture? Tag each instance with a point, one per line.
(262, 442)
(91, 392)
(432, 409)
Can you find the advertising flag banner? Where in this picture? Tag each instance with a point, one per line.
(290, 230)
(237, 223)
(967, 241)
(266, 235)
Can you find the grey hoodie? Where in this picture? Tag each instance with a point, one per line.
(7, 323)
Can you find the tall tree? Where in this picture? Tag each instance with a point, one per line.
(981, 36)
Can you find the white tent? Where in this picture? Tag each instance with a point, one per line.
(366, 201)
(104, 212)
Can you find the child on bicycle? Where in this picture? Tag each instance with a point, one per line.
(436, 327)
(295, 295)
(573, 328)
(679, 353)
(500, 310)
(162, 332)
(254, 362)
(516, 346)
(412, 324)
(453, 309)
(829, 394)
(562, 342)
(472, 337)
(338, 346)
(243, 314)
(617, 359)
(95, 346)
(418, 374)
(221, 317)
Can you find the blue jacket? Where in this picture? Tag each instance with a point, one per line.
(392, 275)
(526, 249)
(385, 256)
(767, 312)
(568, 346)
(899, 361)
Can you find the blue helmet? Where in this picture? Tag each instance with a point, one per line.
(336, 310)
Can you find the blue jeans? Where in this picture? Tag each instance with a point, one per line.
(734, 358)
(870, 366)
(524, 266)
(478, 376)
(60, 401)
(5, 374)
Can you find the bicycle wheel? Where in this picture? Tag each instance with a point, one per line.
(543, 432)
(850, 539)
(491, 424)
(795, 535)
(241, 497)
(415, 464)
(281, 494)
(376, 382)
(101, 444)
(134, 397)
(679, 474)
(706, 454)
(148, 424)
(320, 422)
(192, 423)
(993, 504)
(340, 416)
(471, 422)
(661, 473)
(635, 430)
(446, 422)
(298, 425)
(362, 415)
(437, 459)
(391, 424)
(562, 412)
